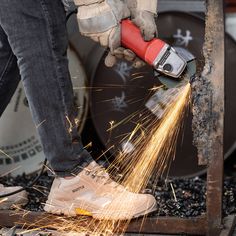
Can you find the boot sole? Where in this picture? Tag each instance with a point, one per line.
(71, 212)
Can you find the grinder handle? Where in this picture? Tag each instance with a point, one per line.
(131, 38)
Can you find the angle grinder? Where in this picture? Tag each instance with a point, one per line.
(174, 67)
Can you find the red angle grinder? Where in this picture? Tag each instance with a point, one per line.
(171, 63)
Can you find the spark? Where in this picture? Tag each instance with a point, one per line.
(124, 121)
(155, 88)
(5, 154)
(3, 200)
(152, 156)
(104, 153)
(40, 124)
(138, 77)
(173, 191)
(38, 190)
(160, 145)
(138, 126)
(50, 170)
(77, 121)
(70, 125)
(139, 73)
(112, 123)
(30, 230)
(88, 145)
(110, 86)
(110, 129)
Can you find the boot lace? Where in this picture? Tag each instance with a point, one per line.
(99, 174)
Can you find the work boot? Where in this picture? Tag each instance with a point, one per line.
(94, 193)
(18, 199)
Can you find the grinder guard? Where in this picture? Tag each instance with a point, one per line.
(188, 74)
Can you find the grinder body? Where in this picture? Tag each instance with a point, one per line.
(156, 52)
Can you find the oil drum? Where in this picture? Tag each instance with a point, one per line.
(118, 93)
(21, 151)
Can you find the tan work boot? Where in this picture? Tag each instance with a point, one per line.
(94, 193)
(18, 199)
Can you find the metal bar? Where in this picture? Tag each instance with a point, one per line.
(167, 225)
(215, 57)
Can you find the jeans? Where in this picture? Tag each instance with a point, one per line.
(33, 49)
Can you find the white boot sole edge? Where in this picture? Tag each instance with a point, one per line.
(60, 208)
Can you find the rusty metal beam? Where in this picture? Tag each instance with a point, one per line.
(215, 57)
(162, 225)
(167, 225)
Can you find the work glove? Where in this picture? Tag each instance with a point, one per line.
(100, 20)
(143, 14)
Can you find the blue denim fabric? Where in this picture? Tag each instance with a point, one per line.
(33, 48)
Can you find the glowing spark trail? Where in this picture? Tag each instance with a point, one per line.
(153, 153)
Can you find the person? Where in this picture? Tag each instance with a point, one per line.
(33, 46)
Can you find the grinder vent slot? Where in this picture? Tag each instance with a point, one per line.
(164, 58)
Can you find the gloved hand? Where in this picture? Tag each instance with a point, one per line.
(143, 13)
(100, 20)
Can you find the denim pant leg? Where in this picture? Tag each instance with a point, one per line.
(9, 72)
(36, 31)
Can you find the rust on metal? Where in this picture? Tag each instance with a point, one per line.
(167, 225)
(170, 225)
(208, 88)
(216, 52)
(208, 113)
